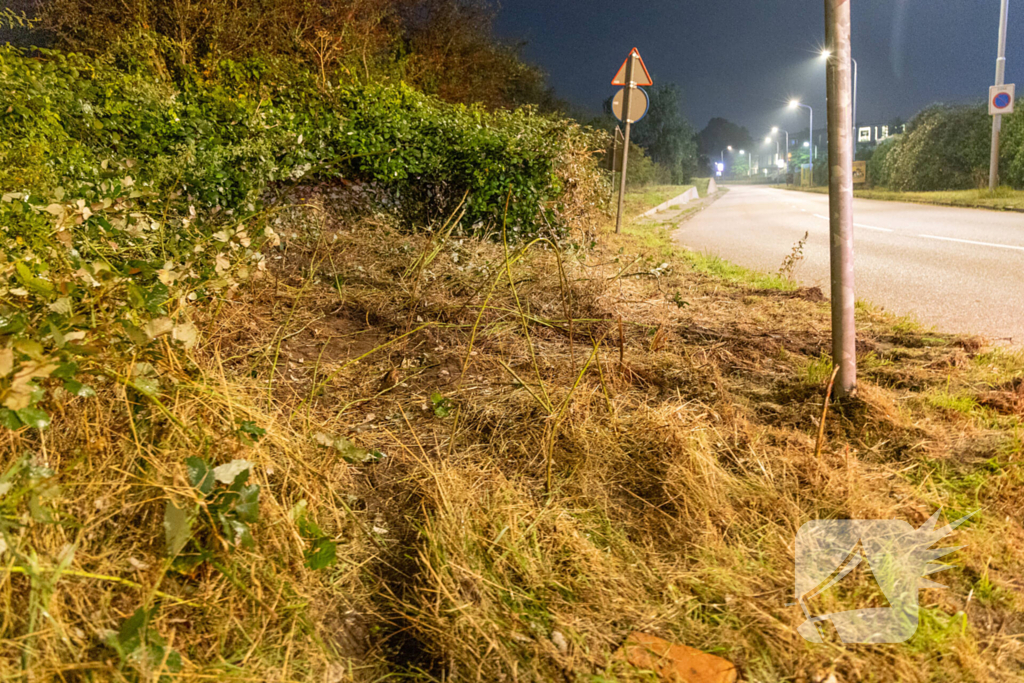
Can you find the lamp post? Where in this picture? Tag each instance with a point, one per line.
(828, 53)
(728, 147)
(997, 120)
(810, 137)
(776, 130)
(768, 141)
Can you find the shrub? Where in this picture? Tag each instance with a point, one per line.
(944, 148)
(1012, 142)
(223, 138)
(880, 164)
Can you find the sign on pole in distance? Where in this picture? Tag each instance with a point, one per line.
(1000, 99)
(642, 77)
(860, 172)
(638, 104)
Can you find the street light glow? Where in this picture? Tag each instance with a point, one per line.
(826, 53)
(768, 139)
(775, 129)
(742, 152)
(793, 104)
(729, 148)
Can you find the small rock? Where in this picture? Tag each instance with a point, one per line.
(559, 641)
(676, 663)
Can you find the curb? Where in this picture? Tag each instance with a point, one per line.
(684, 198)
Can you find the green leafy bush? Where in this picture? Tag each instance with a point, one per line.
(222, 140)
(1012, 142)
(880, 164)
(944, 148)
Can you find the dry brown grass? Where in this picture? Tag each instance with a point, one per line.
(681, 451)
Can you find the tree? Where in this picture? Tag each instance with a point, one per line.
(444, 47)
(666, 135)
(721, 133)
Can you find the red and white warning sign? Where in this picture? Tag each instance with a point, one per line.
(641, 74)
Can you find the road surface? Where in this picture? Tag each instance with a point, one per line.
(958, 270)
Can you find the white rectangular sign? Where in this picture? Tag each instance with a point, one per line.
(1000, 99)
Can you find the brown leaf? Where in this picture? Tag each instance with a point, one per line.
(675, 663)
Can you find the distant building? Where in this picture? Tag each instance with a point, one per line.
(872, 135)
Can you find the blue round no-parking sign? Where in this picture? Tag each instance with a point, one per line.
(1001, 101)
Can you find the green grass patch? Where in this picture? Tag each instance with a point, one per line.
(646, 198)
(959, 402)
(710, 264)
(1002, 199)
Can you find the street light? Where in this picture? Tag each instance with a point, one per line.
(748, 161)
(828, 53)
(775, 131)
(768, 141)
(793, 104)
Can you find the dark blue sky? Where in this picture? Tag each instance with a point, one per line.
(744, 59)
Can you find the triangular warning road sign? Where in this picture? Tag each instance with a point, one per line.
(642, 76)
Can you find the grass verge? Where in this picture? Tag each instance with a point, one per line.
(1003, 199)
(486, 464)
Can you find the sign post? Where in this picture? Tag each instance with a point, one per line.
(627, 76)
(840, 194)
(997, 115)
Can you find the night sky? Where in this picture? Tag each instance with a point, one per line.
(744, 59)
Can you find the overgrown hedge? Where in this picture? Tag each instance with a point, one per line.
(222, 140)
(947, 148)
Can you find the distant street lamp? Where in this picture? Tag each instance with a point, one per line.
(749, 165)
(768, 141)
(775, 131)
(810, 142)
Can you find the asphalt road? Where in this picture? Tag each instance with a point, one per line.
(957, 270)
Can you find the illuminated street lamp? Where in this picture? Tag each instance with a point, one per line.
(768, 141)
(749, 165)
(775, 131)
(793, 104)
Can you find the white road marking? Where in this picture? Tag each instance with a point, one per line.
(857, 225)
(980, 244)
(871, 227)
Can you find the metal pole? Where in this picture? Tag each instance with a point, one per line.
(630, 85)
(840, 194)
(787, 151)
(854, 108)
(997, 120)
